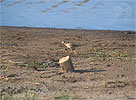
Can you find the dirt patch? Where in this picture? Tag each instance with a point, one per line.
(104, 64)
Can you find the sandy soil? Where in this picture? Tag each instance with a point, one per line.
(104, 64)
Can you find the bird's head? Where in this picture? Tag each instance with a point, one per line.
(62, 42)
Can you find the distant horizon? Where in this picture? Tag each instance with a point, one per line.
(65, 28)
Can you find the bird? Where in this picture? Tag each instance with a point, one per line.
(61, 60)
(71, 46)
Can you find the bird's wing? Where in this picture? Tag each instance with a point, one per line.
(75, 45)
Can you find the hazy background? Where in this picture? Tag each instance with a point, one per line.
(73, 14)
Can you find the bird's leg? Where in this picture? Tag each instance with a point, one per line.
(74, 50)
(71, 50)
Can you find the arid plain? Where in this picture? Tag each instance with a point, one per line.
(104, 64)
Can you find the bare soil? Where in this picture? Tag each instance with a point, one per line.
(104, 64)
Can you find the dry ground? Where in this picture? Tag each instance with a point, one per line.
(104, 63)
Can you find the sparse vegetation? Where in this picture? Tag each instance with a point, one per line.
(4, 72)
(22, 64)
(103, 54)
(53, 49)
(43, 64)
(28, 96)
(33, 64)
(7, 98)
(67, 97)
(106, 54)
(63, 97)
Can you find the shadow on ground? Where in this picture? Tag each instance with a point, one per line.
(85, 71)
